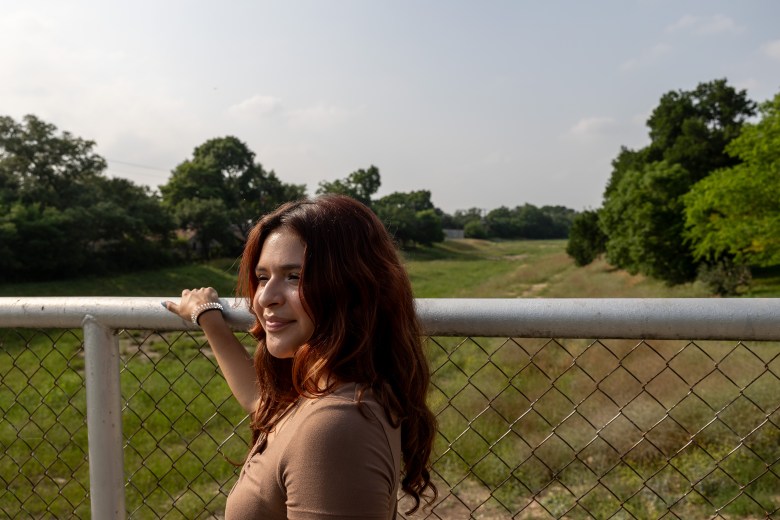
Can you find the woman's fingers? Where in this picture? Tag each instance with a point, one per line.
(190, 299)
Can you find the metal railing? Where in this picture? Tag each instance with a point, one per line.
(547, 409)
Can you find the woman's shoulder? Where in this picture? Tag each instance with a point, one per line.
(347, 403)
(332, 436)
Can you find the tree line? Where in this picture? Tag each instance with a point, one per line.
(701, 201)
(61, 216)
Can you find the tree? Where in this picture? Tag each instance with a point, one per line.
(689, 131)
(360, 185)
(223, 177)
(410, 217)
(692, 128)
(60, 216)
(562, 219)
(37, 166)
(586, 239)
(625, 161)
(461, 217)
(500, 224)
(532, 222)
(529, 221)
(735, 212)
(474, 229)
(643, 220)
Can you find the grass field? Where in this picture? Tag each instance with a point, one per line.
(518, 416)
(453, 269)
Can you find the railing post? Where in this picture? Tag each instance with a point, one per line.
(104, 421)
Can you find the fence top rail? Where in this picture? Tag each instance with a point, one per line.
(651, 318)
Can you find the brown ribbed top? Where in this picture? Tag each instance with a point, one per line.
(325, 460)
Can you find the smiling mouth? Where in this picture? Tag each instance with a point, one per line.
(275, 325)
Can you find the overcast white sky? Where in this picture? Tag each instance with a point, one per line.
(484, 103)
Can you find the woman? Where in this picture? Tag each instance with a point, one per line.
(338, 384)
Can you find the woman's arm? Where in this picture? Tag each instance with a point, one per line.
(234, 361)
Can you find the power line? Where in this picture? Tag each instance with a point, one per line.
(136, 165)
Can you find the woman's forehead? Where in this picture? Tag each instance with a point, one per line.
(282, 247)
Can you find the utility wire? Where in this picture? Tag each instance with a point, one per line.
(136, 165)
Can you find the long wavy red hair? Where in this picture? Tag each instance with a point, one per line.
(359, 297)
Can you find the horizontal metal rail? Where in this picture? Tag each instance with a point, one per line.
(651, 318)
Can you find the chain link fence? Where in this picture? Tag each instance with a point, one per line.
(528, 427)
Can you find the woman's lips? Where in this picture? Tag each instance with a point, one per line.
(276, 324)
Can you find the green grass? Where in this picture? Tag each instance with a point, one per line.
(453, 269)
(498, 402)
(525, 269)
(220, 274)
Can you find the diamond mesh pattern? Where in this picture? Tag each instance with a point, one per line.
(528, 428)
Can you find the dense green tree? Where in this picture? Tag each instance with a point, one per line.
(586, 239)
(532, 222)
(60, 216)
(689, 128)
(500, 224)
(643, 220)
(689, 131)
(626, 160)
(221, 191)
(461, 217)
(410, 217)
(561, 219)
(692, 128)
(38, 166)
(360, 185)
(735, 212)
(529, 221)
(474, 229)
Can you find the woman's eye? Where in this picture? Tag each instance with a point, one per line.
(294, 276)
(262, 279)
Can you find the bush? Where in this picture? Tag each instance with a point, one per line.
(586, 239)
(474, 229)
(724, 277)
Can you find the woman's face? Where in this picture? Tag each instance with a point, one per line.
(277, 302)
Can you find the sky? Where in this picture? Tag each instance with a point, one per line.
(484, 103)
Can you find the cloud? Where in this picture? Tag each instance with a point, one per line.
(704, 25)
(652, 55)
(772, 49)
(747, 84)
(318, 117)
(683, 23)
(257, 105)
(589, 127)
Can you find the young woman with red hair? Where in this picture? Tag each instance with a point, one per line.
(338, 383)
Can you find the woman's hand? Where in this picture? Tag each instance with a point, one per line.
(190, 300)
(233, 359)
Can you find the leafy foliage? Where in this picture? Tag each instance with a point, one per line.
(60, 216)
(529, 221)
(475, 229)
(360, 185)
(586, 239)
(644, 222)
(692, 128)
(724, 277)
(220, 192)
(461, 218)
(735, 212)
(643, 215)
(410, 217)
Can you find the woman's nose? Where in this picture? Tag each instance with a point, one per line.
(270, 294)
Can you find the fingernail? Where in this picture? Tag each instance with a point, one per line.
(163, 304)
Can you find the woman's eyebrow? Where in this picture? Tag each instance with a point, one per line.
(283, 267)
